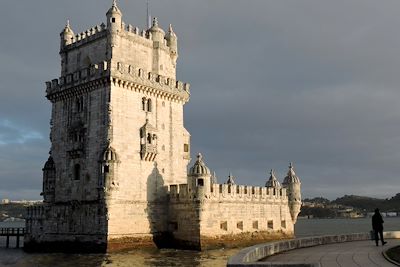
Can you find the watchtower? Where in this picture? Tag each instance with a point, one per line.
(117, 134)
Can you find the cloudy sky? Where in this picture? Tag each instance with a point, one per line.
(313, 82)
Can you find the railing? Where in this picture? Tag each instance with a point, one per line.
(12, 231)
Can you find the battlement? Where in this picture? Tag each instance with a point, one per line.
(122, 74)
(84, 37)
(99, 31)
(227, 192)
(79, 77)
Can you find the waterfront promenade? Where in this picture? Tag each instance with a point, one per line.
(356, 253)
(354, 249)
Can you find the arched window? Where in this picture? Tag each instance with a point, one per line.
(106, 169)
(78, 104)
(77, 172)
(154, 137)
(149, 107)
(144, 104)
(149, 138)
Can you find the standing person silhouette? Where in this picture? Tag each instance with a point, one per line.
(377, 225)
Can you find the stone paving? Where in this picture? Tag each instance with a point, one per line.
(349, 254)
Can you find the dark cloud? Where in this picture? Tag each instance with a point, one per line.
(314, 82)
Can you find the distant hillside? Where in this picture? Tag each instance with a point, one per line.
(347, 206)
(369, 204)
(16, 210)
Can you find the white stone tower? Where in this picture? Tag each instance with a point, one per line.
(117, 136)
(292, 184)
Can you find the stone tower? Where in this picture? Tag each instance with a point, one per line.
(117, 137)
(292, 184)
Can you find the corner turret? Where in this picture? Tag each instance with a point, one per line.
(109, 161)
(199, 178)
(172, 42)
(292, 184)
(49, 180)
(114, 18)
(66, 36)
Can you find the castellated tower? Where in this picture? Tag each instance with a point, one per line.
(117, 174)
(117, 137)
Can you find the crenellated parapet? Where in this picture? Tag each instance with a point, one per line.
(123, 75)
(132, 78)
(228, 193)
(149, 37)
(84, 37)
(77, 82)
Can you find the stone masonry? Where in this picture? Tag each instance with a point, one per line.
(117, 174)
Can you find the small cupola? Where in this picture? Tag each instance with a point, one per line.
(49, 165)
(109, 155)
(66, 35)
(157, 33)
(272, 181)
(291, 177)
(114, 17)
(199, 168)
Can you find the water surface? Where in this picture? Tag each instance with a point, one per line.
(171, 257)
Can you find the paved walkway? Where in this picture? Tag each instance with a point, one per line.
(348, 254)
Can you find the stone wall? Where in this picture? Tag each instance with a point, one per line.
(62, 227)
(228, 211)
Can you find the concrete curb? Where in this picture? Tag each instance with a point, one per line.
(388, 258)
(250, 256)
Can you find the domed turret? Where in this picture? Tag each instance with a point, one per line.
(156, 32)
(49, 180)
(199, 179)
(199, 168)
(108, 162)
(292, 184)
(114, 17)
(272, 182)
(172, 42)
(66, 35)
(49, 165)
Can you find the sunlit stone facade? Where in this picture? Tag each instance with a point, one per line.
(117, 174)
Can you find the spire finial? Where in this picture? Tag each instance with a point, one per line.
(155, 21)
(290, 165)
(170, 28)
(271, 172)
(199, 157)
(67, 23)
(114, 3)
(230, 179)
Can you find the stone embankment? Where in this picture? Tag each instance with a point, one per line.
(251, 256)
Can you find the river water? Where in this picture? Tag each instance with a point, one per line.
(171, 257)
